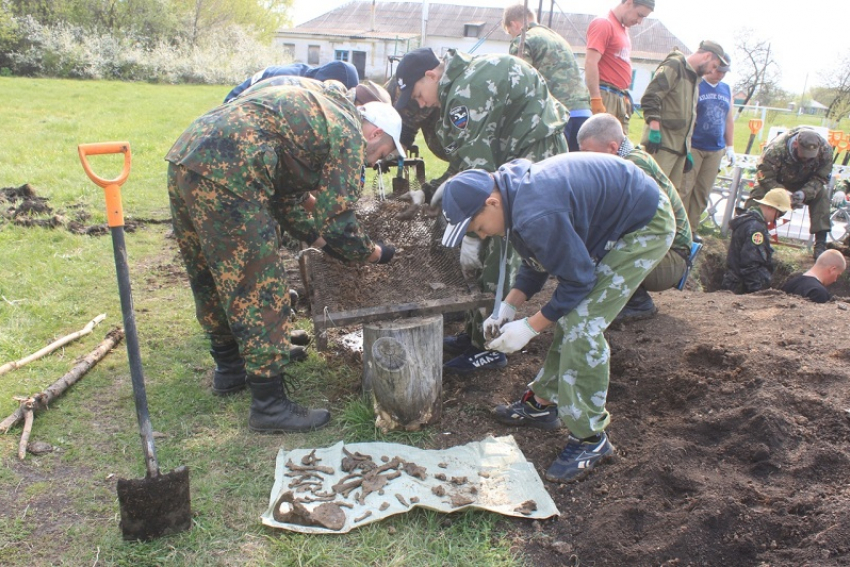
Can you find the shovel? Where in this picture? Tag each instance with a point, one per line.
(755, 127)
(158, 504)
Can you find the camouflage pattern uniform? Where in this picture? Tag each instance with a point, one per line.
(236, 177)
(670, 270)
(671, 98)
(552, 56)
(778, 167)
(496, 108)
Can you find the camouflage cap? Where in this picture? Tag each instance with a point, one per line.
(808, 144)
(648, 3)
(714, 47)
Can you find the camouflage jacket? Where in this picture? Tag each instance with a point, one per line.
(553, 58)
(683, 238)
(778, 167)
(278, 143)
(671, 98)
(493, 109)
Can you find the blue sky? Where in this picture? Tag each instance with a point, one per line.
(808, 38)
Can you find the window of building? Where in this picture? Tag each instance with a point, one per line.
(472, 29)
(313, 54)
(341, 55)
(289, 50)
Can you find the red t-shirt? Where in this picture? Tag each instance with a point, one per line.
(610, 38)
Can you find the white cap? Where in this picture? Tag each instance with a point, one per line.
(385, 117)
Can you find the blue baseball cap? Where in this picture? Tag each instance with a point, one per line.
(463, 198)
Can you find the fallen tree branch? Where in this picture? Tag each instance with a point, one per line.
(25, 436)
(41, 400)
(53, 346)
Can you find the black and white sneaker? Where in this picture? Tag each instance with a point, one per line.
(527, 412)
(476, 359)
(579, 457)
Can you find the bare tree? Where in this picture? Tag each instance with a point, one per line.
(754, 64)
(836, 83)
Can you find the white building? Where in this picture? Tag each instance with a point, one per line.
(374, 35)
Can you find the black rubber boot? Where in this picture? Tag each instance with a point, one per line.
(229, 375)
(273, 412)
(297, 354)
(640, 306)
(820, 243)
(299, 337)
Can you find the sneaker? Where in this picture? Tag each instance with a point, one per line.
(526, 412)
(578, 458)
(476, 359)
(457, 344)
(640, 306)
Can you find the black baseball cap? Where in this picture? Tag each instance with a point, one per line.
(410, 69)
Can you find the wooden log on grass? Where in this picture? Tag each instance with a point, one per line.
(53, 346)
(41, 400)
(403, 370)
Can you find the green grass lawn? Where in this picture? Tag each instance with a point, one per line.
(62, 508)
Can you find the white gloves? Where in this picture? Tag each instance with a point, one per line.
(493, 326)
(839, 199)
(417, 196)
(797, 199)
(730, 155)
(437, 199)
(514, 336)
(470, 259)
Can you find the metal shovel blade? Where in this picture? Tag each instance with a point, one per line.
(400, 185)
(152, 507)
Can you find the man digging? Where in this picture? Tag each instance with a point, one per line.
(238, 175)
(599, 225)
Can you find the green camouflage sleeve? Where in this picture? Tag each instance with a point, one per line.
(769, 165)
(648, 165)
(553, 58)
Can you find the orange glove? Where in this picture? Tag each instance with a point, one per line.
(596, 106)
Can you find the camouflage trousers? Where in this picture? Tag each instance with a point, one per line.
(230, 247)
(575, 373)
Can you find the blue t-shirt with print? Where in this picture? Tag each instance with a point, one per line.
(712, 108)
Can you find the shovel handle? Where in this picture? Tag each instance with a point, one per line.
(111, 187)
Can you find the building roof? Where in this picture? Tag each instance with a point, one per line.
(650, 40)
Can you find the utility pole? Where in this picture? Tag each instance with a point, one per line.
(803, 96)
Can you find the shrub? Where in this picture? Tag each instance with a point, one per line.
(65, 51)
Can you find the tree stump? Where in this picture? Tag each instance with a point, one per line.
(403, 370)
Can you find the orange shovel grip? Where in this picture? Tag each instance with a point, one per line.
(111, 187)
(755, 125)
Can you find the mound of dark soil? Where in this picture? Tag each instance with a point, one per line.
(730, 419)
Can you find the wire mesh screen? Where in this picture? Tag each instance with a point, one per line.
(423, 277)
